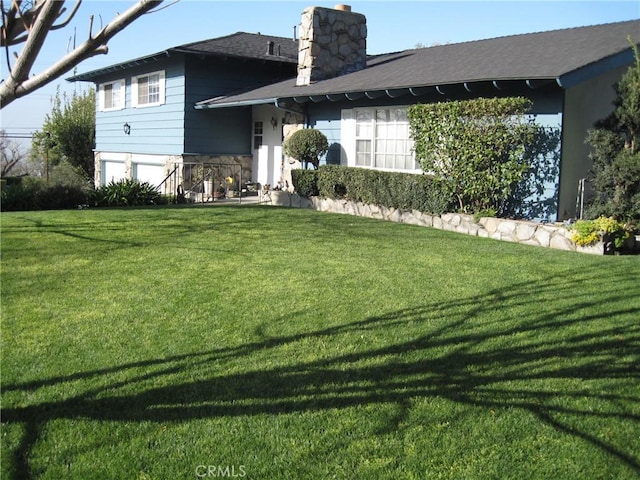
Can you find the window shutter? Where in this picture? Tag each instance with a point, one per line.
(134, 91)
(348, 138)
(119, 86)
(101, 97)
(162, 87)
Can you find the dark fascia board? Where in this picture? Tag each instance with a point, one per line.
(208, 104)
(94, 74)
(571, 79)
(415, 91)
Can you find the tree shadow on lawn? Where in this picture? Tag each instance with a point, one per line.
(501, 349)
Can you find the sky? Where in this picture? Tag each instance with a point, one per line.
(391, 25)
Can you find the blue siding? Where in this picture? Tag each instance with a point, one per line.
(154, 130)
(325, 116)
(222, 131)
(176, 127)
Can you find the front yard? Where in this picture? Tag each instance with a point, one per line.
(274, 343)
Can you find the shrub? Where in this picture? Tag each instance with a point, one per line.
(615, 144)
(608, 229)
(127, 193)
(305, 182)
(36, 194)
(306, 145)
(389, 189)
(474, 148)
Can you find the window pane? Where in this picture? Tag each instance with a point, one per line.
(257, 135)
(362, 159)
(115, 97)
(154, 88)
(143, 90)
(363, 123)
(363, 146)
(382, 130)
(108, 96)
(363, 153)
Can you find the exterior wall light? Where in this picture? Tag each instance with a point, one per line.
(127, 129)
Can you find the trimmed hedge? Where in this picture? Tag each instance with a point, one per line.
(36, 195)
(389, 189)
(305, 182)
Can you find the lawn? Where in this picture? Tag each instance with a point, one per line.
(273, 343)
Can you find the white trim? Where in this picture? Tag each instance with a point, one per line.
(161, 88)
(116, 85)
(348, 138)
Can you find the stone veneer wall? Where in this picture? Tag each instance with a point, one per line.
(332, 43)
(517, 231)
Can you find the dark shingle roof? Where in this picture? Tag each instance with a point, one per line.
(237, 45)
(563, 56)
(245, 45)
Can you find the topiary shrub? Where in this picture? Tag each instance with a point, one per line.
(307, 145)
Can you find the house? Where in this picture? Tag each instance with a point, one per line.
(146, 123)
(233, 100)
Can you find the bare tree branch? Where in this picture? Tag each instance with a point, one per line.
(20, 82)
(16, 25)
(69, 18)
(10, 154)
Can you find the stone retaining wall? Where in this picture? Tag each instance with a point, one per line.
(518, 231)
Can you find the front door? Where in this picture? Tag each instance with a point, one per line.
(267, 145)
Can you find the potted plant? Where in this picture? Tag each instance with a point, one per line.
(228, 181)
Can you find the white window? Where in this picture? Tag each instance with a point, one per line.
(148, 90)
(383, 140)
(111, 95)
(258, 135)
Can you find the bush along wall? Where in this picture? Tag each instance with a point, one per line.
(416, 200)
(388, 189)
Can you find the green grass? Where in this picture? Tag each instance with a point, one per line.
(272, 343)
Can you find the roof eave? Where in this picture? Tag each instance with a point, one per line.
(89, 76)
(587, 72)
(209, 104)
(391, 92)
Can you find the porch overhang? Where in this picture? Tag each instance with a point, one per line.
(290, 98)
(219, 102)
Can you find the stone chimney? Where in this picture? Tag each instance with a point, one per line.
(333, 42)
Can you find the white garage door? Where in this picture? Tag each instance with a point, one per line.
(153, 174)
(112, 171)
